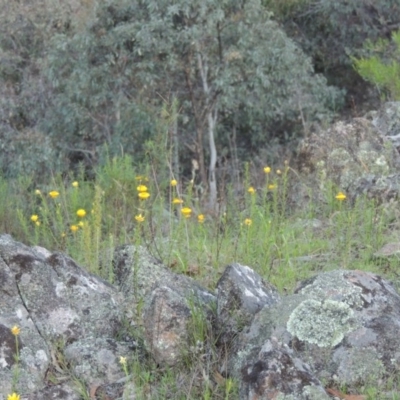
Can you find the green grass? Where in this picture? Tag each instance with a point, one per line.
(256, 229)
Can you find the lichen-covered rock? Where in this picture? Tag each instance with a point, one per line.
(52, 300)
(169, 316)
(344, 324)
(96, 360)
(343, 154)
(241, 293)
(55, 392)
(387, 121)
(168, 300)
(276, 373)
(383, 189)
(137, 272)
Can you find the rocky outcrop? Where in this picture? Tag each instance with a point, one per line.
(360, 157)
(343, 324)
(339, 327)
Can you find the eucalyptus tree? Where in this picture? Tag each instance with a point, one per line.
(224, 56)
(213, 58)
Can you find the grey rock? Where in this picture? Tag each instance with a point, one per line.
(343, 324)
(56, 392)
(171, 310)
(387, 120)
(96, 360)
(169, 302)
(241, 293)
(276, 373)
(52, 300)
(355, 156)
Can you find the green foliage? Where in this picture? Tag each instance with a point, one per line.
(382, 67)
(256, 228)
(75, 80)
(332, 32)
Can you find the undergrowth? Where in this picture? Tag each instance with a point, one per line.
(255, 226)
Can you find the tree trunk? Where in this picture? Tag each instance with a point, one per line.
(212, 180)
(211, 112)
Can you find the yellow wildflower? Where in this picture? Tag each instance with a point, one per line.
(34, 218)
(267, 170)
(37, 223)
(13, 396)
(144, 195)
(81, 213)
(186, 211)
(278, 171)
(177, 201)
(251, 190)
(139, 218)
(200, 218)
(38, 192)
(174, 182)
(340, 196)
(122, 360)
(54, 194)
(142, 188)
(15, 330)
(81, 224)
(272, 186)
(74, 228)
(75, 184)
(248, 221)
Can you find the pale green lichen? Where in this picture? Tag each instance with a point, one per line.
(323, 323)
(333, 285)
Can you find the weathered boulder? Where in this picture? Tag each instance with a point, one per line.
(241, 293)
(170, 302)
(387, 121)
(59, 308)
(276, 373)
(343, 324)
(346, 155)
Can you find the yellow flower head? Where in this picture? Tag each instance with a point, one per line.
(200, 218)
(75, 184)
(251, 190)
(15, 330)
(248, 221)
(177, 201)
(144, 195)
(54, 194)
(174, 182)
(122, 360)
(139, 218)
(267, 170)
(272, 186)
(81, 224)
(278, 171)
(13, 396)
(37, 223)
(34, 218)
(81, 213)
(74, 228)
(340, 196)
(142, 188)
(38, 192)
(186, 212)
